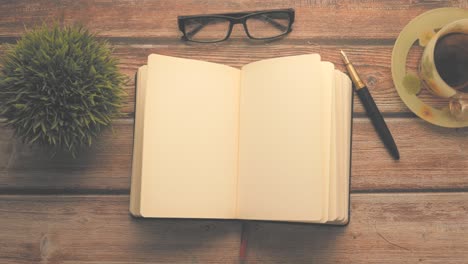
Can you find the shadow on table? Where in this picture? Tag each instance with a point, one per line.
(180, 240)
(221, 239)
(104, 166)
(283, 242)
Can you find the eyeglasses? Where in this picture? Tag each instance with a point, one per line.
(261, 25)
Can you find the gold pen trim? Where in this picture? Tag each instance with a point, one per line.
(352, 72)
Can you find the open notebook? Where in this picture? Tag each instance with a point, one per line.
(269, 141)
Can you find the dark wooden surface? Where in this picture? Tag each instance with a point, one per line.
(64, 210)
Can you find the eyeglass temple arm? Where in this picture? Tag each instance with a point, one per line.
(195, 30)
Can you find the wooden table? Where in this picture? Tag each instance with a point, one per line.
(61, 210)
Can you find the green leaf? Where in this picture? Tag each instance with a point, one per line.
(20, 106)
(34, 139)
(43, 128)
(54, 124)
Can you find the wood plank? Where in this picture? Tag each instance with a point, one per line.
(432, 158)
(106, 166)
(384, 228)
(325, 19)
(372, 62)
(98, 229)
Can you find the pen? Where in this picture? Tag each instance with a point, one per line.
(371, 109)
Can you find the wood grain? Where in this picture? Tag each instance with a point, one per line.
(384, 228)
(105, 167)
(372, 62)
(432, 158)
(98, 229)
(324, 19)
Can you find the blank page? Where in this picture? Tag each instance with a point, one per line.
(334, 197)
(326, 89)
(281, 140)
(190, 139)
(343, 100)
(135, 190)
(346, 154)
(342, 107)
(343, 139)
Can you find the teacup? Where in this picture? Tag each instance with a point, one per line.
(444, 63)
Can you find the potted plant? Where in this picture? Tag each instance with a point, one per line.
(60, 87)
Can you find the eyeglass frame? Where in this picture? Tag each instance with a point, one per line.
(237, 18)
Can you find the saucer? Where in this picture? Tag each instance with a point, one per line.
(408, 84)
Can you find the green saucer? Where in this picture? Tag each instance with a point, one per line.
(406, 83)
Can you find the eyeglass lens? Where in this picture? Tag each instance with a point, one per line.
(268, 25)
(206, 29)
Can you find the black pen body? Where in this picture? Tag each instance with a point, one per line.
(378, 121)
